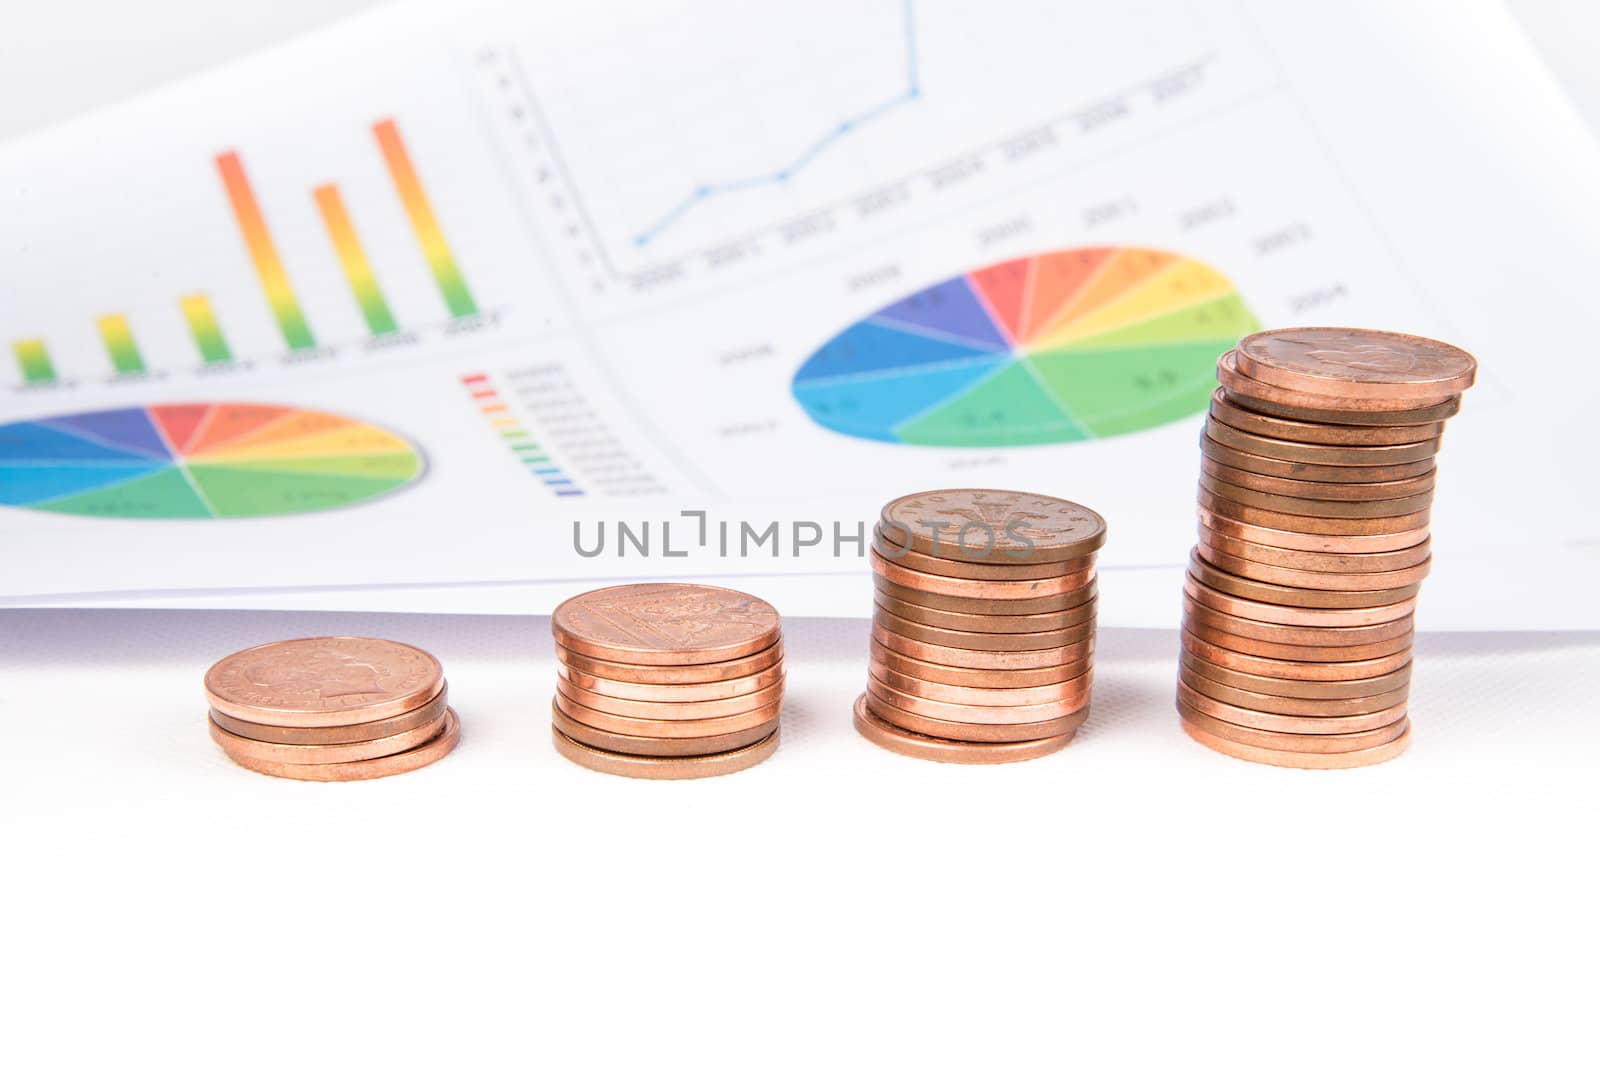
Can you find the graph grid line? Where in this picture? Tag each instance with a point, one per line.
(845, 127)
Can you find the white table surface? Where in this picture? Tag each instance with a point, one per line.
(1134, 899)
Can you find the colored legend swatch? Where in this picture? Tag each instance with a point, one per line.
(353, 258)
(34, 360)
(527, 451)
(423, 222)
(274, 279)
(203, 326)
(120, 346)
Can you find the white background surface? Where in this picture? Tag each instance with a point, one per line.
(1134, 898)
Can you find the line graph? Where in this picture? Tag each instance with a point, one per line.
(846, 126)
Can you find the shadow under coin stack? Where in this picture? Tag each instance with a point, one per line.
(1317, 477)
(667, 681)
(331, 709)
(983, 625)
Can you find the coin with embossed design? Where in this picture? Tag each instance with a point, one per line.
(665, 623)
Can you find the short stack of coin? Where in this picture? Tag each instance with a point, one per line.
(1317, 477)
(983, 625)
(331, 709)
(667, 681)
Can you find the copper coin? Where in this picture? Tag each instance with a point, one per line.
(1403, 578)
(1299, 670)
(1317, 491)
(1306, 651)
(1295, 615)
(954, 712)
(1027, 527)
(1316, 433)
(988, 696)
(1294, 707)
(962, 639)
(378, 767)
(671, 691)
(1292, 634)
(1339, 362)
(995, 566)
(907, 743)
(1268, 465)
(1324, 563)
(1272, 721)
(639, 709)
(1310, 761)
(649, 767)
(1301, 452)
(324, 753)
(1240, 586)
(665, 623)
(975, 732)
(1320, 689)
(1304, 524)
(596, 738)
(742, 667)
(359, 732)
(1321, 413)
(1318, 407)
(998, 659)
(1294, 743)
(1277, 502)
(979, 589)
(983, 622)
(1032, 606)
(1003, 678)
(642, 727)
(323, 682)
(1316, 543)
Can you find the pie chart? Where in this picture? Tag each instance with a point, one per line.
(200, 461)
(1065, 346)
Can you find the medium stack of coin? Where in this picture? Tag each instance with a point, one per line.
(667, 681)
(331, 709)
(1317, 475)
(983, 625)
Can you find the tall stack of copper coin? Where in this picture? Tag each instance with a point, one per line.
(983, 625)
(331, 709)
(1317, 477)
(667, 681)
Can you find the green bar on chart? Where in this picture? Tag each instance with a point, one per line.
(203, 326)
(120, 346)
(353, 258)
(435, 249)
(34, 359)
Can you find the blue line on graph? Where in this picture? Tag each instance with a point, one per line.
(850, 124)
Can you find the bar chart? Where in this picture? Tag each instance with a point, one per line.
(331, 215)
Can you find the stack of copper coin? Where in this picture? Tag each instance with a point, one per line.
(667, 681)
(1316, 481)
(983, 625)
(331, 709)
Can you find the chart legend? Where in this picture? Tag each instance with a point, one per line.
(1067, 346)
(492, 405)
(200, 461)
